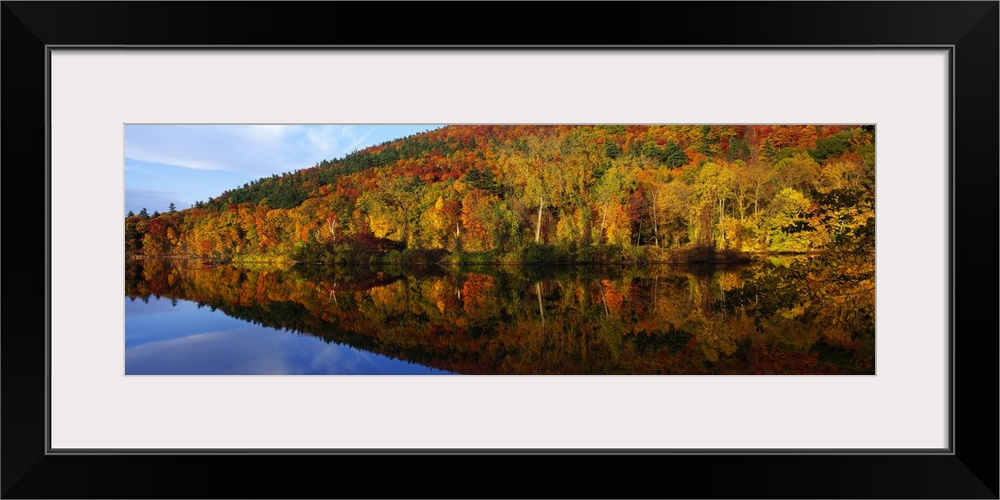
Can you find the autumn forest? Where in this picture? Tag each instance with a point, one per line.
(544, 194)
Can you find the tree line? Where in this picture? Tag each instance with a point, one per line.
(507, 193)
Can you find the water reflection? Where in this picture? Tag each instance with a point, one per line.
(170, 336)
(766, 318)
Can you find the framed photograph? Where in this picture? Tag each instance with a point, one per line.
(834, 345)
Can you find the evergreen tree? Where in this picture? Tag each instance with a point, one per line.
(674, 156)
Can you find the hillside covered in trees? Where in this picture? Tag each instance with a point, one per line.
(540, 193)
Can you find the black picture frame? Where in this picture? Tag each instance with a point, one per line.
(969, 29)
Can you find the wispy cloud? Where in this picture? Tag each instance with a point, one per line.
(359, 141)
(250, 149)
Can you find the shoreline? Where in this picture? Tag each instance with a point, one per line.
(727, 257)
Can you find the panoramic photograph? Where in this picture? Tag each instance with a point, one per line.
(431, 249)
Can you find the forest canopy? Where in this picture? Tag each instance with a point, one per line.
(520, 193)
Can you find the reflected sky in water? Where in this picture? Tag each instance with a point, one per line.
(175, 337)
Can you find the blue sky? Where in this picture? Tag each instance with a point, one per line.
(187, 163)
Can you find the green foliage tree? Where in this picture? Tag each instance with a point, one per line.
(673, 155)
(789, 222)
(392, 208)
(611, 150)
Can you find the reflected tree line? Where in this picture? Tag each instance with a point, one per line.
(784, 315)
